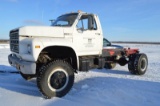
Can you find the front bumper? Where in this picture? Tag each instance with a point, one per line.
(23, 66)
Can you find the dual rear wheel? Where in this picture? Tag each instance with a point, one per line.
(138, 64)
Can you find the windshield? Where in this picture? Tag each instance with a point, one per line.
(65, 20)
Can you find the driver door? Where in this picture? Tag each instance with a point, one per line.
(87, 38)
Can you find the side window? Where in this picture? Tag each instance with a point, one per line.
(95, 25)
(82, 24)
(87, 22)
(79, 25)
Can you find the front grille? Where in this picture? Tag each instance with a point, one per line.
(14, 41)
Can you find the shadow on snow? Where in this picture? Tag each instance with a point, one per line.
(96, 90)
(10, 79)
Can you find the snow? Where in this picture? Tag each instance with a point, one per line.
(97, 87)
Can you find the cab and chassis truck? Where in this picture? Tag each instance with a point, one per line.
(74, 42)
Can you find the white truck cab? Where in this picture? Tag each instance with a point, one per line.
(73, 39)
(80, 32)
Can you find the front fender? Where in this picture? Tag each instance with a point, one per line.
(48, 42)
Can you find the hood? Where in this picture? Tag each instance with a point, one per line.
(45, 31)
(114, 47)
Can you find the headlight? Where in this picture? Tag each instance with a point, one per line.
(29, 48)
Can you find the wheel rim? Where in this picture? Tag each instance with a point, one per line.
(58, 80)
(143, 64)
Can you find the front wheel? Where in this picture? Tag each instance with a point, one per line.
(138, 64)
(55, 79)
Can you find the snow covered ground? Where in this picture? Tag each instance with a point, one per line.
(115, 87)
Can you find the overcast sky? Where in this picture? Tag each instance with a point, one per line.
(122, 20)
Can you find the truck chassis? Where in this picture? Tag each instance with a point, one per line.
(52, 54)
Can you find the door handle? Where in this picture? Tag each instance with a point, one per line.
(97, 34)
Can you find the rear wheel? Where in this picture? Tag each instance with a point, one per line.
(110, 65)
(138, 64)
(131, 67)
(55, 79)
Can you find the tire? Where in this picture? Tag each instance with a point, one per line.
(141, 64)
(110, 65)
(26, 76)
(138, 65)
(131, 64)
(55, 79)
